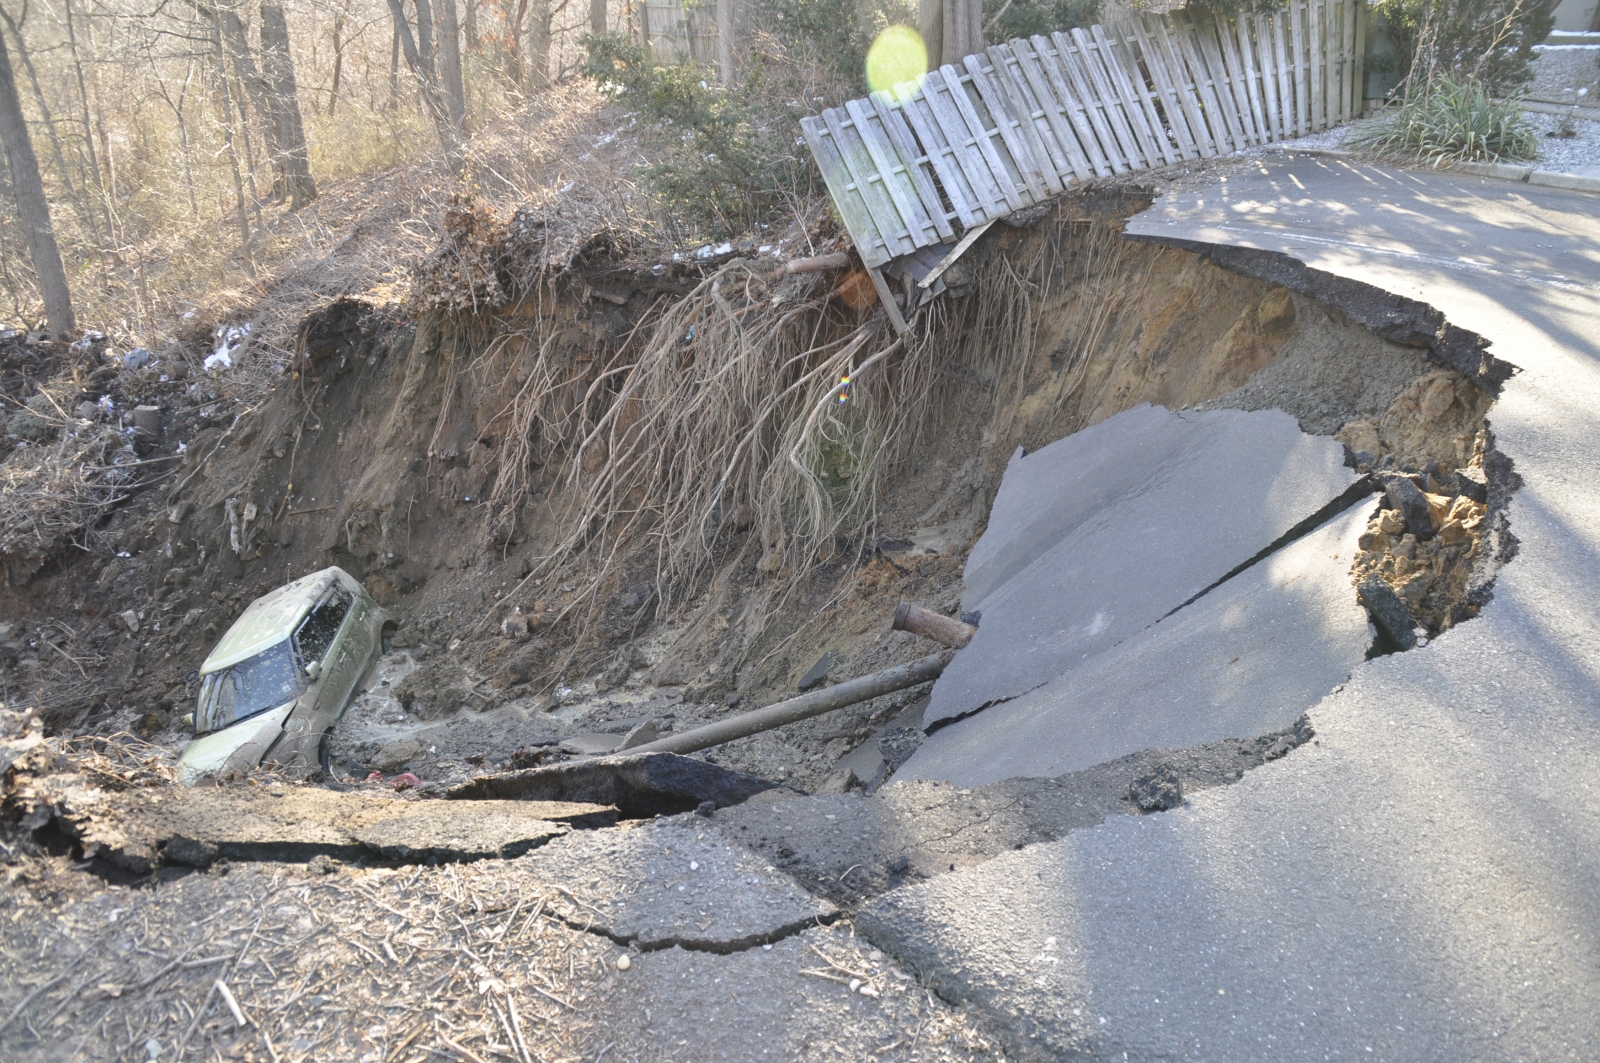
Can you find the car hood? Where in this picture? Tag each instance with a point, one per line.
(240, 746)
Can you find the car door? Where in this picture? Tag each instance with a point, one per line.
(322, 638)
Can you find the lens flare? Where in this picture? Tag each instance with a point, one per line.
(896, 57)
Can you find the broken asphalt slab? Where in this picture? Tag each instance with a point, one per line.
(640, 784)
(1093, 538)
(1248, 657)
(1420, 881)
(141, 829)
(671, 882)
(850, 847)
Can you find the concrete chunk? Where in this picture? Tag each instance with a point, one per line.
(1247, 658)
(1097, 536)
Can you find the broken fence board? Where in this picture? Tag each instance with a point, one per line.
(1198, 104)
(1100, 114)
(1130, 87)
(1094, 67)
(895, 238)
(955, 115)
(1005, 73)
(1285, 92)
(842, 187)
(945, 159)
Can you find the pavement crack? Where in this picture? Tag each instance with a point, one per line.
(1366, 485)
(691, 944)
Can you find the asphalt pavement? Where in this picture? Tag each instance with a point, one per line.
(1421, 881)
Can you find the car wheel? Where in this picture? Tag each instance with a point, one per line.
(386, 640)
(324, 757)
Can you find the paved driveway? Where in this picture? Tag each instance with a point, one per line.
(1423, 881)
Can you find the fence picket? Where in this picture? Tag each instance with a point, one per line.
(1068, 56)
(1238, 47)
(1172, 103)
(893, 120)
(1124, 67)
(1077, 113)
(958, 115)
(943, 157)
(1028, 61)
(1014, 128)
(1269, 80)
(1285, 92)
(1006, 71)
(1094, 69)
(1216, 124)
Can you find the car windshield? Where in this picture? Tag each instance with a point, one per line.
(265, 681)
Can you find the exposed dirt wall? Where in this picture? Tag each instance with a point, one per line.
(381, 449)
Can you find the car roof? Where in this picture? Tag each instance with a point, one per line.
(273, 617)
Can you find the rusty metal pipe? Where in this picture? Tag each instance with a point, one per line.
(932, 625)
(803, 707)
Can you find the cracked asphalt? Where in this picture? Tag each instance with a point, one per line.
(1422, 880)
(1411, 874)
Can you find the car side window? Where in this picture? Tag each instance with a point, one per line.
(321, 626)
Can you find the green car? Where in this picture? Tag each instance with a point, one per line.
(273, 688)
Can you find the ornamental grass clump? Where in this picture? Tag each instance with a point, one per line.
(1446, 120)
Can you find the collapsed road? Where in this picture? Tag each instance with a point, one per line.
(1208, 815)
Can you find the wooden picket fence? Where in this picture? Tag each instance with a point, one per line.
(921, 165)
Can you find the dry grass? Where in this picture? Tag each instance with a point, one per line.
(270, 962)
(54, 493)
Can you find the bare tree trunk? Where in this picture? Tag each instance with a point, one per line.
(469, 26)
(514, 44)
(725, 41)
(88, 126)
(597, 16)
(963, 30)
(257, 91)
(430, 95)
(33, 211)
(455, 92)
(394, 71)
(85, 216)
(292, 160)
(227, 141)
(425, 47)
(539, 46)
(951, 29)
(338, 63)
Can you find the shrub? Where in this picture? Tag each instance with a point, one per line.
(1490, 41)
(1006, 19)
(733, 154)
(1445, 120)
(834, 34)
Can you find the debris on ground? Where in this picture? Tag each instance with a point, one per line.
(1245, 657)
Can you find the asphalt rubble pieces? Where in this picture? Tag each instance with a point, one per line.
(1158, 580)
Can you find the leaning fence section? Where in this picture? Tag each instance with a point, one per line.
(928, 161)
